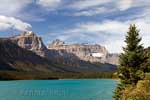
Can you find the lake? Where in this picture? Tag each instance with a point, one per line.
(82, 89)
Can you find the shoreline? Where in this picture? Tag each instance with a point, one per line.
(10, 75)
(61, 79)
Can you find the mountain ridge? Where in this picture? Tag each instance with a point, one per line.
(69, 62)
(60, 50)
(13, 57)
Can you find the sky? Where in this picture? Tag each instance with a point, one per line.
(103, 22)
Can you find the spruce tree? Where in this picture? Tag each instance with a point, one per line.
(133, 59)
(133, 62)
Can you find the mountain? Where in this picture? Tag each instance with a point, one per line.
(30, 41)
(15, 58)
(26, 54)
(70, 58)
(86, 52)
(92, 53)
(59, 50)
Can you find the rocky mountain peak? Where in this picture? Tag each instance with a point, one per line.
(28, 33)
(24, 34)
(86, 52)
(29, 40)
(56, 43)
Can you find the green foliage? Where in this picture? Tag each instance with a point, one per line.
(133, 64)
(133, 58)
(147, 51)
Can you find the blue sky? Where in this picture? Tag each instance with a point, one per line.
(103, 22)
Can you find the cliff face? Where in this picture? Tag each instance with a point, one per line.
(86, 52)
(30, 41)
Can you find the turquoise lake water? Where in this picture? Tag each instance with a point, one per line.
(93, 89)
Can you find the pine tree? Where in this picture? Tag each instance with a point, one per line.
(132, 63)
(133, 59)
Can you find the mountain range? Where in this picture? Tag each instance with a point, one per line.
(26, 52)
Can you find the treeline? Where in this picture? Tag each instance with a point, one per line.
(13, 75)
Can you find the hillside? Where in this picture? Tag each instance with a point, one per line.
(12, 57)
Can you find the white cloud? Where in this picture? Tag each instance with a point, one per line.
(13, 23)
(92, 12)
(84, 4)
(17, 8)
(124, 4)
(48, 4)
(13, 7)
(108, 26)
(105, 26)
(97, 7)
(89, 7)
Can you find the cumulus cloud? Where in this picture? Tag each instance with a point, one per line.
(13, 23)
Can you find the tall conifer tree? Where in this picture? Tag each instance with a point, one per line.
(133, 59)
(133, 62)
